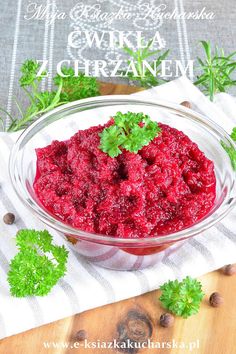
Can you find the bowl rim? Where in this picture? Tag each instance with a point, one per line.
(60, 226)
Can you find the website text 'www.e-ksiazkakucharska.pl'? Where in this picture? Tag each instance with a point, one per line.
(125, 345)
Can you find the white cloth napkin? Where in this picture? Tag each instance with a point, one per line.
(76, 292)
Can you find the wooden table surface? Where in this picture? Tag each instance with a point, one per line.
(211, 331)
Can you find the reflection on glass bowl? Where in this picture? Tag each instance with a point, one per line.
(107, 251)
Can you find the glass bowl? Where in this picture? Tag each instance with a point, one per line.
(107, 251)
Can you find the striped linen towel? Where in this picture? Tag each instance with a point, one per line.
(75, 293)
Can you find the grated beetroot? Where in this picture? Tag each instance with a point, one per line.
(169, 185)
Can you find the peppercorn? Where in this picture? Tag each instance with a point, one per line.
(229, 269)
(81, 335)
(216, 299)
(9, 218)
(186, 104)
(166, 320)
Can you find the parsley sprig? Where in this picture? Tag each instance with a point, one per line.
(37, 266)
(130, 131)
(182, 298)
(231, 149)
(67, 89)
(215, 70)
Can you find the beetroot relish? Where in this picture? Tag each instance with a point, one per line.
(169, 185)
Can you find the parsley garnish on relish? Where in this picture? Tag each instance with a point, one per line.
(130, 131)
(37, 266)
(182, 298)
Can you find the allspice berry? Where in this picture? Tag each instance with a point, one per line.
(166, 320)
(186, 104)
(9, 218)
(81, 335)
(230, 269)
(216, 299)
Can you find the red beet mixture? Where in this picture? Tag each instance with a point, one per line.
(169, 185)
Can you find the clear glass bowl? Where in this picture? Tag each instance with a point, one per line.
(106, 251)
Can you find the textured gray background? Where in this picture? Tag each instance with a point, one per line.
(21, 38)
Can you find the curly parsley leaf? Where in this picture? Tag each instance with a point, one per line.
(130, 131)
(76, 87)
(37, 266)
(111, 138)
(29, 70)
(182, 298)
